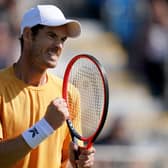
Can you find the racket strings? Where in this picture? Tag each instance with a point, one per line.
(85, 78)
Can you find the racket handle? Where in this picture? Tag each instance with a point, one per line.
(76, 157)
(89, 145)
(76, 152)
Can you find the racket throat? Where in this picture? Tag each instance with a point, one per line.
(89, 145)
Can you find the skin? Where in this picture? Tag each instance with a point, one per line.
(40, 53)
(86, 157)
(160, 12)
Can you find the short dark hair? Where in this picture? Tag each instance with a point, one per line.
(34, 30)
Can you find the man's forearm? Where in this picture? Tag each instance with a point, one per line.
(12, 151)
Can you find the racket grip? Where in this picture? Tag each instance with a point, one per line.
(89, 145)
(76, 152)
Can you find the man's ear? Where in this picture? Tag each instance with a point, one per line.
(27, 34)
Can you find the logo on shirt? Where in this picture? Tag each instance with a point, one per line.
(34, 132)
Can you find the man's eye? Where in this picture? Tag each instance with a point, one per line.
(51, 36)
(64, 39)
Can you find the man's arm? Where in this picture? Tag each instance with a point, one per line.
(12, 151)
(15, 149)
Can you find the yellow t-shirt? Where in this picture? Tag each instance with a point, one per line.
(21, 106)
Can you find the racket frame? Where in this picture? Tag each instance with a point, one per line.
(91, 139)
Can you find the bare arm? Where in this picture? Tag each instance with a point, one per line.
(15, 149)
(12, 151)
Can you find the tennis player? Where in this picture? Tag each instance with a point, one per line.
(33, 130)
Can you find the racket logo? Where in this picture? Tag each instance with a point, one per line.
(34, 132)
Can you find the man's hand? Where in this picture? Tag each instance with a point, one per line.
(57, 113)
(85, 156)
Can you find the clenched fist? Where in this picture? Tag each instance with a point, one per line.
(57, 113)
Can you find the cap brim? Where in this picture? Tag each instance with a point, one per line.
(73, 26)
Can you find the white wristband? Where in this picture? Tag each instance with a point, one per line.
(37, 133)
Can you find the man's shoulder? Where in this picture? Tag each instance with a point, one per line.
(6, 78)
(5, 73)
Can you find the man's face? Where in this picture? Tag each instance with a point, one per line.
(47, 45)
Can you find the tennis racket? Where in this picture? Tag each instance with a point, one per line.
(85, 89)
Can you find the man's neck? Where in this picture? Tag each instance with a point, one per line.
(30, 75)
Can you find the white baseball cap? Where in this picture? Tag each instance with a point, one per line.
(49, 15)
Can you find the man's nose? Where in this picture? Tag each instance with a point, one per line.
(58, 44)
